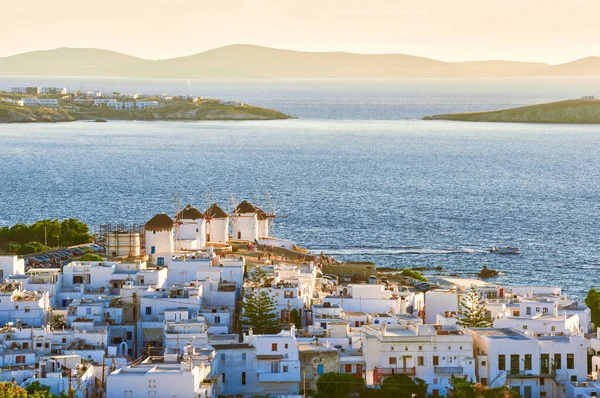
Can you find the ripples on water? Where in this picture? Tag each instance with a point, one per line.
(401, 193)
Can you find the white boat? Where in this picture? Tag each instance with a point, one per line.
(505, 250)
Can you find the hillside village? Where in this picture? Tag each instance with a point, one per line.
(164, 315)
(33, 103)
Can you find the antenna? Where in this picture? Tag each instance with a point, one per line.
(177, 220)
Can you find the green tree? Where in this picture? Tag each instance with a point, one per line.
(35, 389)
(461, 388)
(592, 301)
(413, 274)
(402, 386)
(91, 257)
(338, 385)
(11, 390)
(295, 318)
(472, 312)
(260, 310)
(32, 247)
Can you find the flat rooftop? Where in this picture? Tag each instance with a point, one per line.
(503, 333)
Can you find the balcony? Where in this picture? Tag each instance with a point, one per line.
(448, 370)
(278, 377)
(396, 371)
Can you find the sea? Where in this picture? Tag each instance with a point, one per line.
(356, 174)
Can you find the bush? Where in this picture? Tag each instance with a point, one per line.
(413, 274)
(32, 247)
(91, 257)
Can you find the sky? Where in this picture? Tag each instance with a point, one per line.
(552, 31)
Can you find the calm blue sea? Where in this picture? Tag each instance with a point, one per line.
(357, 174)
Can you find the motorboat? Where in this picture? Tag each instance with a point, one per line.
(505, 250)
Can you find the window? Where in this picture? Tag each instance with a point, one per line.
(542, 394)
(573, 377)
(148, 310)
(527, 362)
(435, 381)
(27, 309)
(20, 359)
(553, 328)
(570, 361)
(524, 327)
(514, 364)
(222, 356)
(420, 361)
(274, 347)
(501, 362)
(542, 381)
(528, 310)
(392, 360)
(545, 363)
(348, 368)
(153, 248)
(25, 345)
(405, 348)
(160, 261)
(243, 378)
(285, 368)
(527, 392)
(217, 319)
(223, 374)
(483, 363)
(557, 361)
(320, 369)
(243, 356)
(436, 361)
(285, 346)
(88, 311)
(420, 348)
(545, 310)
(129, 335)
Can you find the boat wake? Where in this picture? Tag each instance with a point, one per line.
(360, 251)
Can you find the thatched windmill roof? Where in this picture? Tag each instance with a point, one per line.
(189, 212)
(215, 211)
(160, 222)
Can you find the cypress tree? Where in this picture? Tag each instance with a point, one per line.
(260, 310)
(472, 312)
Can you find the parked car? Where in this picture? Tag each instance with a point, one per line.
(347, 278)
(372, 280)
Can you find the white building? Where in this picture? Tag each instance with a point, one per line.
(217, 225)
(536, 367)
(376, 298)
(118, 105)
(30, 101)
(103, 101)
(54, 90)
(146, 104)
(244, 222)
(11, 265)
(422, 351)
(159, 235)
(21, 306)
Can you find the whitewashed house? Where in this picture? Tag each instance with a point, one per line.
(423, 351)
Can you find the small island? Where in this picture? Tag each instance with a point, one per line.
(580, 111)
(35, 104)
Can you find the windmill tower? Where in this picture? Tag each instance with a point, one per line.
(245, 222)
(192, 228)
(217, 225)
(159, 235)
(267, 218)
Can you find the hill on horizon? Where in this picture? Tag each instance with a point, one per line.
(242, 61)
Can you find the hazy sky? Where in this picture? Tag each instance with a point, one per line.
(451, 30)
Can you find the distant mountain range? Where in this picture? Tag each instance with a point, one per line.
(255, 62)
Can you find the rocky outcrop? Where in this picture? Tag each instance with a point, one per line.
(32, 115)
(583, 111)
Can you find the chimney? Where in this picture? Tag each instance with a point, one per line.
(250, 332)
(383, 328)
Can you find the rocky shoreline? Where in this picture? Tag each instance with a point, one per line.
(581, 111)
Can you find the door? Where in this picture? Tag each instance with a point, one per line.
(275, 367)
(152, 249)
(320, 369)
